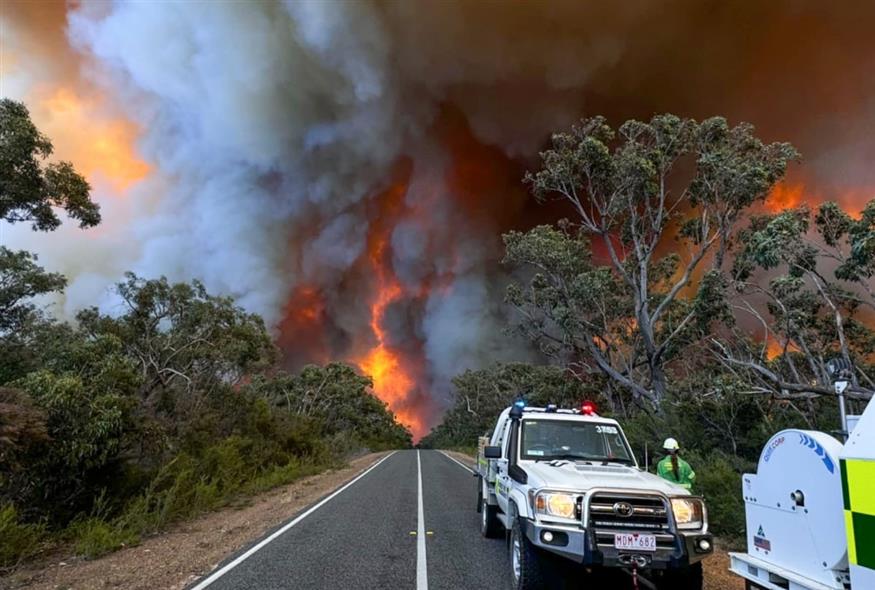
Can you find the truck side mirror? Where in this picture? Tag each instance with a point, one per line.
(492, 452)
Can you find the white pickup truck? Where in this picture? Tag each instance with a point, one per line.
(565, 484)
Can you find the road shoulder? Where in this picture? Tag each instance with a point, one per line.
(189, 550)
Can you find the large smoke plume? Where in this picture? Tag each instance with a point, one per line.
(307, 157)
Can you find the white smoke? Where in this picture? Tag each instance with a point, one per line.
(270, 127)
(268, 139)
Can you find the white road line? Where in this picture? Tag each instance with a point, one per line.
(456, 461)
(421, 566)
(219, 573)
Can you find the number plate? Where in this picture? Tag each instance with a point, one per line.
(635, 542)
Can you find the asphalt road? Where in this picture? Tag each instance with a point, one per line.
(365, 536)
(407, 522)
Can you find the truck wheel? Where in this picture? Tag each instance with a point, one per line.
(489, 525)
(526, 572)
(687, 578)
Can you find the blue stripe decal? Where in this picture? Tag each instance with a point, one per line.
(818, 450)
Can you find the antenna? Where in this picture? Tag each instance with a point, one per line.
(841, 372)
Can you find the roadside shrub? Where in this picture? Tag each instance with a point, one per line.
(18, 541)
(85, 424)
(122, 424)
(285, 474)
(718, 479)
(189, 485)
(93, 537)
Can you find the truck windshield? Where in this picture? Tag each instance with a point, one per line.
(566, 439)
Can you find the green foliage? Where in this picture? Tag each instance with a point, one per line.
(20, 280)
(85, 426)
(18, 540)
(718, 479)
(642, 193)
(22, 427)
(182, 337)
(30, 190)
(338, 398)
(189, 485)
(84, 396)
(832, 223)
(93, 537)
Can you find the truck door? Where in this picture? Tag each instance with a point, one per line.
(502, 479)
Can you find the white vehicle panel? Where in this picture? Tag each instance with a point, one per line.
(801, 538)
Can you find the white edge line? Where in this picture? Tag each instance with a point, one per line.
(456, 461)
(227, 568)
(421, 564)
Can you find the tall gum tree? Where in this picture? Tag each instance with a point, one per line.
(655, 206)
(806, 279)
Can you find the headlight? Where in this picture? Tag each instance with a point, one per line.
(689, 513)
(555, 504)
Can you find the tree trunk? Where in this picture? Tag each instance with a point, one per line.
(658, 385)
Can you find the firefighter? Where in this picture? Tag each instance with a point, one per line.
(673, 468)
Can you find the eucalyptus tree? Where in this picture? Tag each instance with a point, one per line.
(805, 280)
(634, 276)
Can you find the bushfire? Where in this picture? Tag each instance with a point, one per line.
(350, 183)
(392, 383)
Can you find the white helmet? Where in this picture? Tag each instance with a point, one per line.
(671, 444)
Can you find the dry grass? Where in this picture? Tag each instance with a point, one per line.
(175, 558)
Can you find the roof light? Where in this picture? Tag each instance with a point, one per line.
(551, 408)
(520, 403)
(588, 408)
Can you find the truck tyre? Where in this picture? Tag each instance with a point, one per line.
(489, 525)
(526, 569)
(687, 578)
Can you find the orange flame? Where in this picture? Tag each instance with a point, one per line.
(785, 196)
(775, 348)
(791, 195)
(99, 147)
(393, 381)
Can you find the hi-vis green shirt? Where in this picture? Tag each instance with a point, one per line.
(686, 475)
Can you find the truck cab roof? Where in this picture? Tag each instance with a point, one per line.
(557, 414)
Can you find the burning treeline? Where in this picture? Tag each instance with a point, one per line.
(346, 169)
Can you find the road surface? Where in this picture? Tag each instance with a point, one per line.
(408, 522)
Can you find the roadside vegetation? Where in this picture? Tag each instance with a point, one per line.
(119, 423)
(679, 302)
